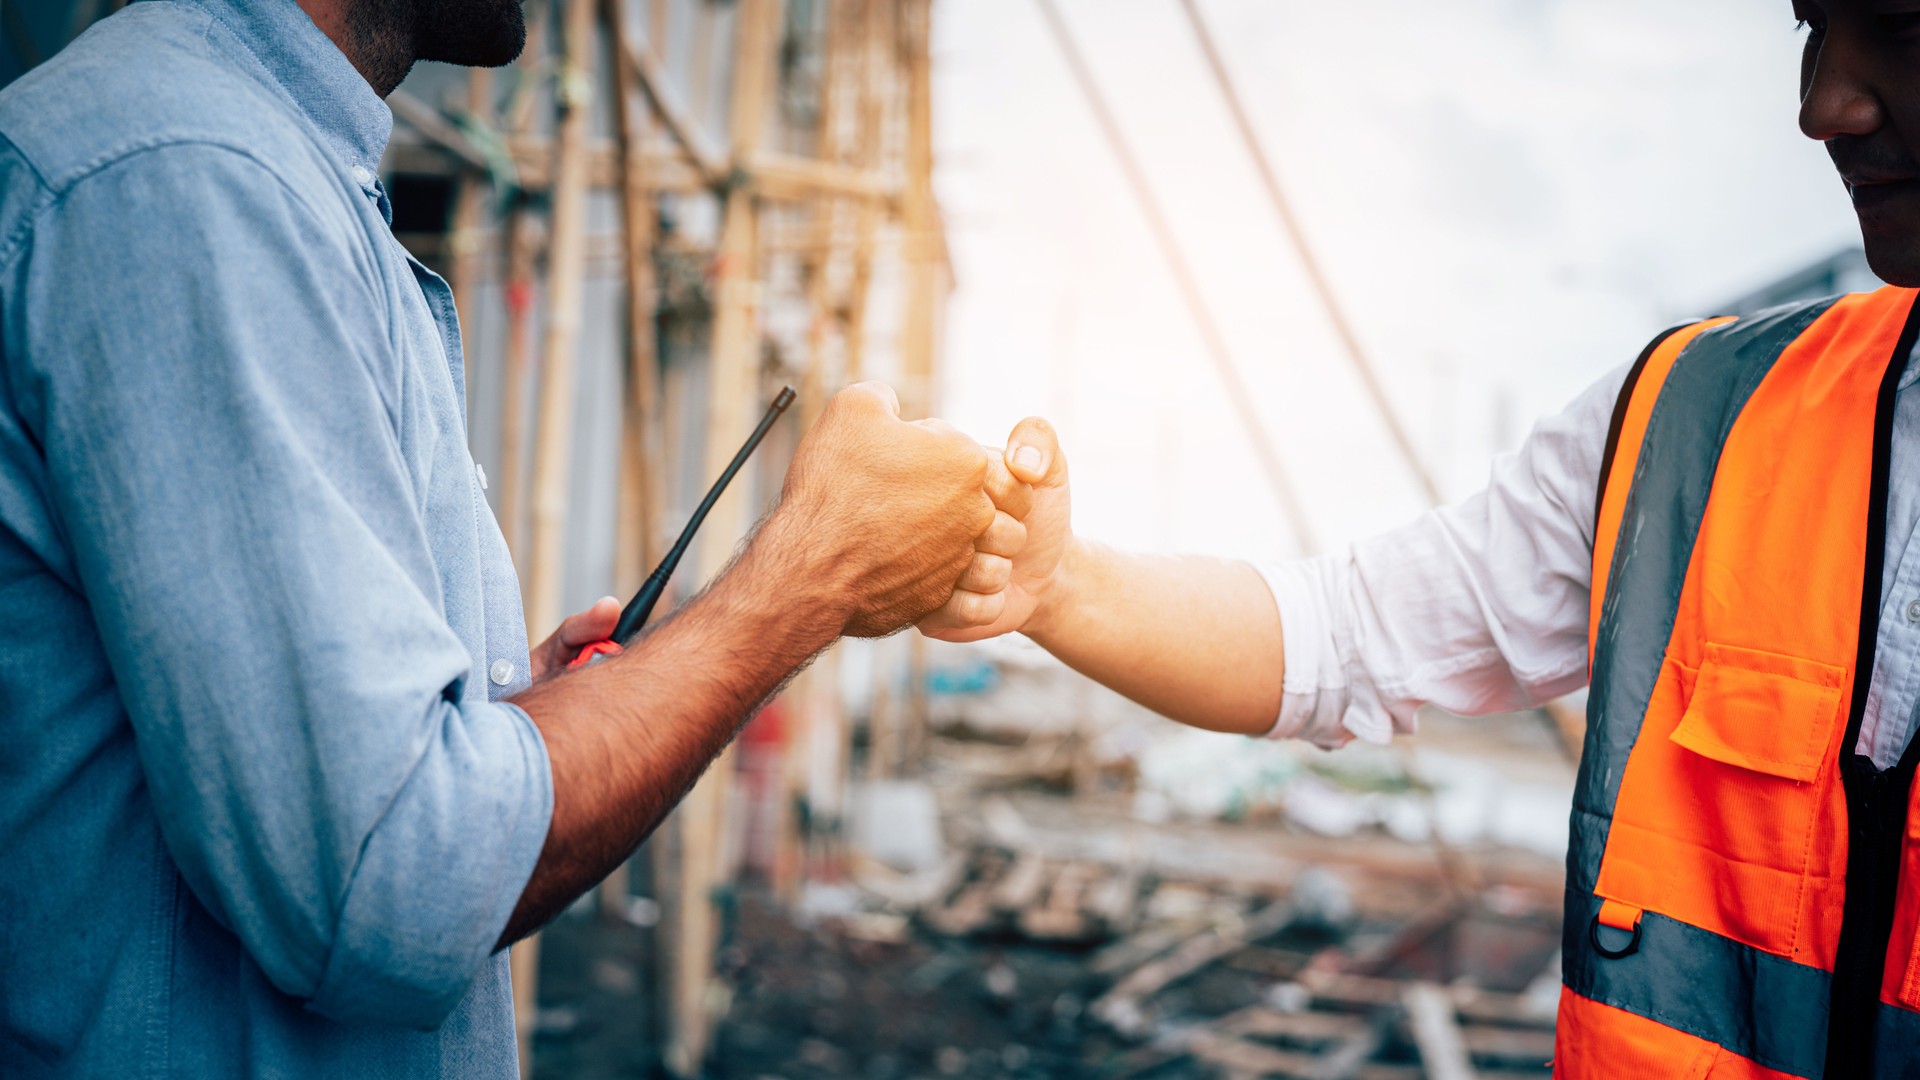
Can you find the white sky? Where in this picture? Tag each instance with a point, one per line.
(1511, 197)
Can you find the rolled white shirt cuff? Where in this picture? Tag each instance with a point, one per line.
(1316, 631)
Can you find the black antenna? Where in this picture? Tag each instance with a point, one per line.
(634, 615)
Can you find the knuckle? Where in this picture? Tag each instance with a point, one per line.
(984, 515)
(991, 572)
(971, 607)
(987, 606)
(1016, 537)
(1000, 482)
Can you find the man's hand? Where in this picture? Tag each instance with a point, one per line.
(877, 521)
(1007, 587)
(889, 511)
(573, 634)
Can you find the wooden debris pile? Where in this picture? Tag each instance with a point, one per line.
(1000, 893)
(1199, 981)
(1367, 1028)
(1379, 1011)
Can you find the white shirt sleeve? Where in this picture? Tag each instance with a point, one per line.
(1478, 607)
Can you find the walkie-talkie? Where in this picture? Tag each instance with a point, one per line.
(634, 616)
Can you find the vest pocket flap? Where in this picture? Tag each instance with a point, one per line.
(1762, 711)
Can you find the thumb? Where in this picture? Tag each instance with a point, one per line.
(594, 624)
(1033, 454)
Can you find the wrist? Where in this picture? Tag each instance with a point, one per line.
(1055, 603)
(785, 569)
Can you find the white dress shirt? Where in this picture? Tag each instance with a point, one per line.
(1481, 606)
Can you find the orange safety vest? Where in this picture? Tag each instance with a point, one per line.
(1743, 891)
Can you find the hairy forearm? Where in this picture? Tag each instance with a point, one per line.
(1194, 639)
(628, 737)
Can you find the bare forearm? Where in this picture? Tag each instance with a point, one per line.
(628, 737)
(1197, 640)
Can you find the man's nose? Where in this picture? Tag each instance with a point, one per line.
(1838, 98)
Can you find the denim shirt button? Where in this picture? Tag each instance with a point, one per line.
(502, 672)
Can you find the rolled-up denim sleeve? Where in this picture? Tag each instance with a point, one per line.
(219, 418)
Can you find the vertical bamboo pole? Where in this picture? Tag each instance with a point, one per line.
(923, 253)
(513, 382)
(700, 74)
(812, 693)
(638, 540)
(920, 225)
(464, 239)
(826, 214)
(519, 307)
(874, 69)
(566, 271)
(640, 507)
(731, 406)
(878, 63)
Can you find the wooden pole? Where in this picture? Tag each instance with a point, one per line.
(510, 508)
(874, 54)
(513, 381)
(812, 693)
(638, 543)
(700, 76)
(924, 259)
(565, 273)
(920, 224)
(552, 452)
(731, 406)
(645, 72)
(469, 216)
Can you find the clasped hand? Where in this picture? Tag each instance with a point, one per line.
(889, 523)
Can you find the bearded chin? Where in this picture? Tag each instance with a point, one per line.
(472, 33)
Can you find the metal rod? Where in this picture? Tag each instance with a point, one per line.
(1316, 276)
(1239, 396)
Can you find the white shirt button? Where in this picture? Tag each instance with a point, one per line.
(480, 471)
(1913, 612)
(502, 672)
(362, 175)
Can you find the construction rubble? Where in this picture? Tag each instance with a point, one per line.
(1045, 899)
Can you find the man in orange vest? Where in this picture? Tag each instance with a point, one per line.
(1723, 540)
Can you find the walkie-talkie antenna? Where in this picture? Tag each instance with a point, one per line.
(634, 616)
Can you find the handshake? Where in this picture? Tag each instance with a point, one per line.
(915, 523)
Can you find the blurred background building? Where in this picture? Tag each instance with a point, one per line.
(1281, 273)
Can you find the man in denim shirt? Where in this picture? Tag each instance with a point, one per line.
(279, 779)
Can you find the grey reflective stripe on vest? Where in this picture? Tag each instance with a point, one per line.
(1703, 395)
(1758, 1005)
(1896, 1044)
(1683, 977)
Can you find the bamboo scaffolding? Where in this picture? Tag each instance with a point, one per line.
(924, 263)
(731, 402)
(469, 214)
(519, 306)
(553, 450)
(826, 212)
(875, 36)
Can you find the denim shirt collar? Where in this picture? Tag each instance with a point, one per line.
(312, 72)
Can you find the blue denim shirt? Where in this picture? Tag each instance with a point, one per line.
(261, 812)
